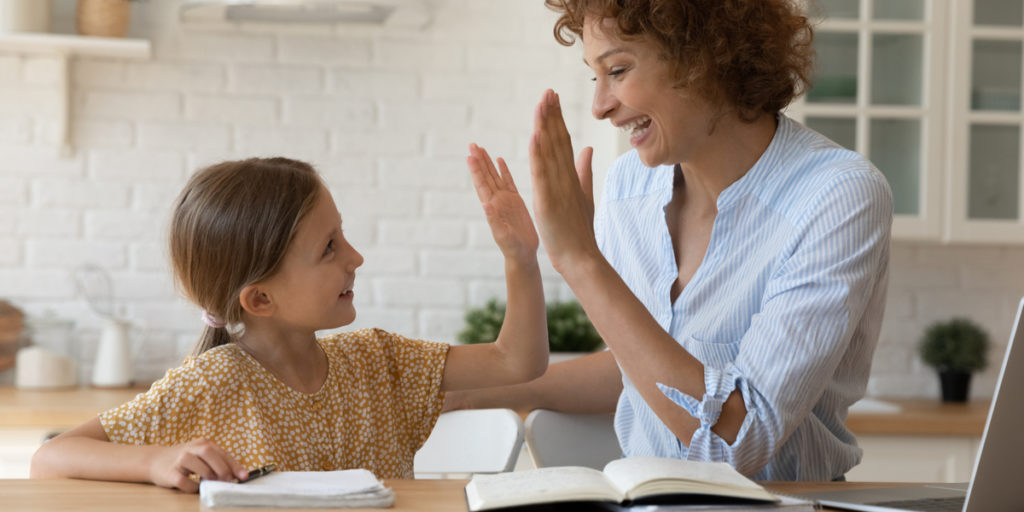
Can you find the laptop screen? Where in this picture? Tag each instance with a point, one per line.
(996, 481)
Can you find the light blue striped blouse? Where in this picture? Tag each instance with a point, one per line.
(786, 305)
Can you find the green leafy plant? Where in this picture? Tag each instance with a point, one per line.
(957, 345)
(569, 329)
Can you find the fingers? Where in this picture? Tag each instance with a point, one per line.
(480, 181)
(486, 175)
(506, 176)
(584, 170)
(201, 459)
(551, 146)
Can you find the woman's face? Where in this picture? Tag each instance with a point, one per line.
(634, 91)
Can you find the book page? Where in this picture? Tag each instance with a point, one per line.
(637, 477)
(543, 485)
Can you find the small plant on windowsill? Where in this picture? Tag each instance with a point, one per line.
(956, 349)
(569, 329)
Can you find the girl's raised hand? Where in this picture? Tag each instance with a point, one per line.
(175, 465)
(563, 196)
(505, 210)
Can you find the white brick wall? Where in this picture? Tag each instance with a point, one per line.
(386, 115)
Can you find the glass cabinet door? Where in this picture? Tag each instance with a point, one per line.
(986, 185)
(878, 90)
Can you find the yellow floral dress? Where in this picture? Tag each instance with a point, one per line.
(378, 405)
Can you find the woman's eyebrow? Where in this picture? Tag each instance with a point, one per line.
(606, 54)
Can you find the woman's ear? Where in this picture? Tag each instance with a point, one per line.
(255, 301)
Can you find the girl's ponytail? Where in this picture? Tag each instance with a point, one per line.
(211, 337)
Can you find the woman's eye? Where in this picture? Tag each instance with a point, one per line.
(616, 71)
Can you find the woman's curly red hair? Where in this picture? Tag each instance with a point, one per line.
(754, 55)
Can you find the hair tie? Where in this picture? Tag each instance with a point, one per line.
(212, 321)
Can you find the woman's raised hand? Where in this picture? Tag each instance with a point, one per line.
(505, 210)
(563, 194)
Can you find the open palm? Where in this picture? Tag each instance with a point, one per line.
(505, 209)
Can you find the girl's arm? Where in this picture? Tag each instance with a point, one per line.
(521, 351)
(86, 452)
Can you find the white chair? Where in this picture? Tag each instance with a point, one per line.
(471, 441)
(562, 439)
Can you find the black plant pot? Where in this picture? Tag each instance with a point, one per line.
(955, 385)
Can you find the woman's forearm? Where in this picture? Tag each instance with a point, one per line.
(589, 384)
(647, 354)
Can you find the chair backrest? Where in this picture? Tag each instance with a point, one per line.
(562, 439)
(471, 441)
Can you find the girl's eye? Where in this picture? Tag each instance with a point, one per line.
(330, 248)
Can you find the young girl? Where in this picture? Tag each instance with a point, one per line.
(258, 245)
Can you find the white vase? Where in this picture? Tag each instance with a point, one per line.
(113, 366)
(24, 16)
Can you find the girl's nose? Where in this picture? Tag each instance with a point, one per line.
(355, 260)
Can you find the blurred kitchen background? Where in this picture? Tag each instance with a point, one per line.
(96, 141)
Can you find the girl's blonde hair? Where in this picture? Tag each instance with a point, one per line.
(231, 226)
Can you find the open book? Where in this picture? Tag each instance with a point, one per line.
(349, 488)
(632, 480)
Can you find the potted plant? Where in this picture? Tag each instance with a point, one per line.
(955, 348)
(569, 329)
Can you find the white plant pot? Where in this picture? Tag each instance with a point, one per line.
(24, 16)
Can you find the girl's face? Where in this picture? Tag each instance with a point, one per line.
(634, 90)
(313, 288)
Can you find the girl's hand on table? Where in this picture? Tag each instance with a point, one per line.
(563, 192)
(181, 466)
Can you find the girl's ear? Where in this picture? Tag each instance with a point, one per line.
(255, 301)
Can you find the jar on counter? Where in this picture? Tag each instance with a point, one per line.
(49, 360)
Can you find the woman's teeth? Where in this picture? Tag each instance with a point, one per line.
(637, 127)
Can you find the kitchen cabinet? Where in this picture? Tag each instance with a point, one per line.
(930, 91)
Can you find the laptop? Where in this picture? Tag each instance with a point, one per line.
(996, 484)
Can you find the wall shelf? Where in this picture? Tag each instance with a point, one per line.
(65, 47)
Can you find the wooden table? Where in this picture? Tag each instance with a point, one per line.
(410, 495)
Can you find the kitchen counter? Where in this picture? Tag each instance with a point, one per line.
(66, 408)
(926, 417)
(58, 409)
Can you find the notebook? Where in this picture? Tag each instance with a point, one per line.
(995, 484)
(290, 489)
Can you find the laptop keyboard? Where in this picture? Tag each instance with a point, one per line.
(927, 505)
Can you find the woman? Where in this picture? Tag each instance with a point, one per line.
(737, 266)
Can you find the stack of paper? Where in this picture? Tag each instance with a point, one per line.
(350, 488)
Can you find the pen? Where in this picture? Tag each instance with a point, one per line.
(258, 472)
(253, 474)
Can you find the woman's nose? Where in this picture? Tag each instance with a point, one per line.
(604, 102)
